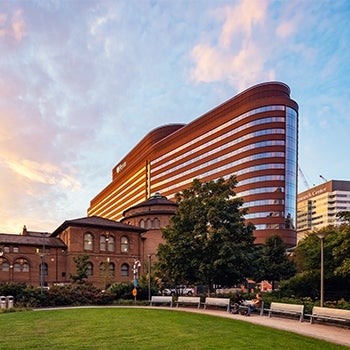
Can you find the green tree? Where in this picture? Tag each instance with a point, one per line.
(81, 263)
(207, 241)
(341, 253)
(336, 260)
(344, 216)
(275, 265)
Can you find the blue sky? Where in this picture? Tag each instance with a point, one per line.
(81, 82)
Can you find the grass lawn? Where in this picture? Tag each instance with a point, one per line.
(137, 328)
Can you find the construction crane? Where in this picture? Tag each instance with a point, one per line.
(306, 184)
(323, 178)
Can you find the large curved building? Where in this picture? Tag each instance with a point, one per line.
(253, 135)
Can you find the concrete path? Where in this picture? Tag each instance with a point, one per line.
(330, 333)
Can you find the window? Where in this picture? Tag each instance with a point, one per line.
(111, 244)
(148, 224)
(124, 244)
(88, 241)
(142, 223)
(156, 223)
(15, 249)
(43, 269)
(17, 267)
(6, 249)
(25, 267)
(90, 269)
(125, 270)
(5, 266)
(103, 240)
(111, 269)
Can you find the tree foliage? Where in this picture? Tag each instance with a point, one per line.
(81, 263)
(274, 264)
(336, 254)
(207, 241)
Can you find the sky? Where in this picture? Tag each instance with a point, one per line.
(83, 81)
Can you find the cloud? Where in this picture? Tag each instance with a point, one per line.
(238, 55)
(43, 173)
(12, 26)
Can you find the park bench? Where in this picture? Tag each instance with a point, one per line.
(182, 300)
(218, 302)
(287, 309)
(245, 306)
(159, 299)
(329, 314)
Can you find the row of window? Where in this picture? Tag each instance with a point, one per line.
(107, 243)
(23, 266)
(220, 127)
(227, 145)
(150, 224)
(18, 266)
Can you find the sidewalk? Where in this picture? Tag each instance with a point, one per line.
(330, 333)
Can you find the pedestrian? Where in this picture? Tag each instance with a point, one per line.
(257, 302)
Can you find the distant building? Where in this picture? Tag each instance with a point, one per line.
(254, 135)
(318, 206)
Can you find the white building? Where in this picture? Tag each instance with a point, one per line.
(318, 206)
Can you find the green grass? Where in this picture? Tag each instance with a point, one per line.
(136, 328)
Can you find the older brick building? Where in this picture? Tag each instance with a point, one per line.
(44, 259)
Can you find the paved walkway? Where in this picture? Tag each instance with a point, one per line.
(330, 333)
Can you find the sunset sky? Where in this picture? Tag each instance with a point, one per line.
(81, 82)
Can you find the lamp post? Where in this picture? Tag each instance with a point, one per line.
(322, 236)
(43, 270)
(149, 275)
(137, 265)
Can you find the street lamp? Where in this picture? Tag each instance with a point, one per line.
(322, 236)
(149, 275)
(43, 269)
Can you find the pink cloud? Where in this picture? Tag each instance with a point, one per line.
(13, 28)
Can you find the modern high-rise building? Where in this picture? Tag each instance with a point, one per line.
(319, 205)
(254, 135)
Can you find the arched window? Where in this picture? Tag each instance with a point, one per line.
(5, 266)
(90, 269)
(148, 224)
(16, 267)
(103, 243)
(25, 267)
(124, 244)
(111, 269)
(21, 265)
(125, 270)
(111, 244)
(156, 223)
(142, 223)
(88, 241)
(102, 269)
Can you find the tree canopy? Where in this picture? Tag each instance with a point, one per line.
(207, 241)
(274, 264)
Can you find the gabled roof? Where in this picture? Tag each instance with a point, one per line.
(31, 240)
(96, 222)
